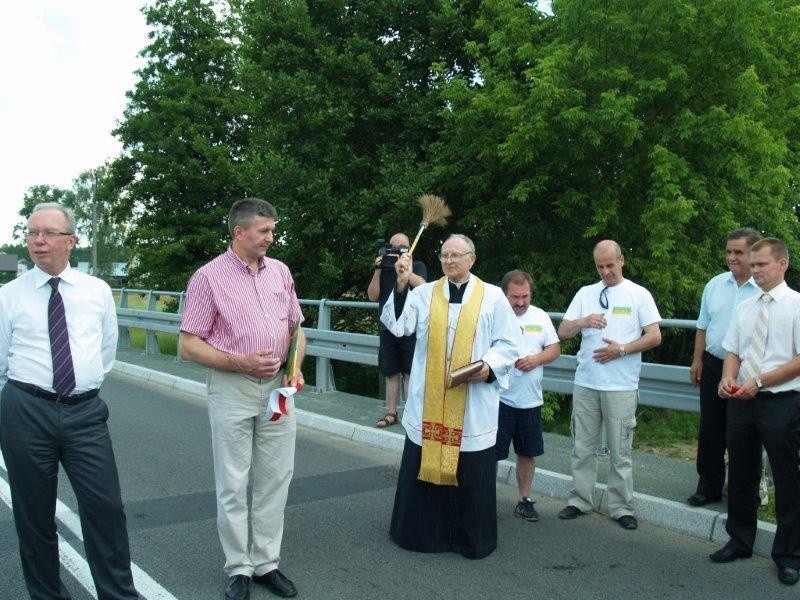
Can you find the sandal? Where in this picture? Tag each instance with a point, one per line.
(388, 420)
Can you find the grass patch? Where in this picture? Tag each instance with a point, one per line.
(767, 513)
(658, 430)
(167, 342)
(139, 302)
(664, 431)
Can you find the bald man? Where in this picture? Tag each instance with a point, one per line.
(617, 320)
(394, 353)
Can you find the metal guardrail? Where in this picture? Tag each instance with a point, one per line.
(665, 386)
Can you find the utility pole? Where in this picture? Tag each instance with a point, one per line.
(94, 223)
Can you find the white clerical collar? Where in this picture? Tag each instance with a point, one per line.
(458, 285)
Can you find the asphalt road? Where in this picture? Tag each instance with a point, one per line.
(336, 543)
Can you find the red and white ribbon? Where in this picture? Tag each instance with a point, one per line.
(277, 405)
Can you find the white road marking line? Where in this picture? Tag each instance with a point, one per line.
(68, 556)
(72, 560)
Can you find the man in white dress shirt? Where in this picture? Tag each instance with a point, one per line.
(51, 412)
(446, 494)
(761, 381)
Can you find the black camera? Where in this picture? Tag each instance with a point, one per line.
(390, 253)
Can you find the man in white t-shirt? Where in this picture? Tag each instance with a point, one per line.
(519, 418)
(617, 320)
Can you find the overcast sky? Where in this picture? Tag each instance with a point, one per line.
(66, 67)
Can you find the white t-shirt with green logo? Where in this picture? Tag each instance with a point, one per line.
(525, 389)
(630, 309)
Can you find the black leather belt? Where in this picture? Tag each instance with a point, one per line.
(765, 394)
(52, 396)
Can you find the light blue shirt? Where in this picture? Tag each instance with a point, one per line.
(721, 296)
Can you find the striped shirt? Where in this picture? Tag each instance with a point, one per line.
(240, 312)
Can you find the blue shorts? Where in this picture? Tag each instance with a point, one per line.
(524, 427)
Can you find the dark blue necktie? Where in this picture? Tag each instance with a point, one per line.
(63, 371)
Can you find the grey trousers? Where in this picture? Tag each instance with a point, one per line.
(36, 435)
(591, 410)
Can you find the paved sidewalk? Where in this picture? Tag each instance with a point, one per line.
(662, 484)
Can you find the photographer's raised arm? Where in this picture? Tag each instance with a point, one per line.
(374, 288)
(415, 280)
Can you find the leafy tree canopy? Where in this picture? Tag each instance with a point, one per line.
(661, 125)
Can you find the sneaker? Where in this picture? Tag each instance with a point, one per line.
(525, 510)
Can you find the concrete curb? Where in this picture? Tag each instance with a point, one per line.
(697, 522)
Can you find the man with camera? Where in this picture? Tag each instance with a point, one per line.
(394, 353)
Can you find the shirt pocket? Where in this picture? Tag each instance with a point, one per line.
(276, 301)
(280, 300)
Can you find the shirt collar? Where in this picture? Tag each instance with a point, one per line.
(602, 284)
(462, 284)
(233, 257)
(41, 278)
(779, 291)
(732, 280)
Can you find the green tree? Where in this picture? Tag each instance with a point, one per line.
(343, 111)
(38, 194)
(183, 132)
(651, 123)
(93, 202)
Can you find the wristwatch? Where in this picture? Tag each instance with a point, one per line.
(759, 385)
(622, 351)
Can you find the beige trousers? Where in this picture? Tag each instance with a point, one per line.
(591, 410)
(243, 445)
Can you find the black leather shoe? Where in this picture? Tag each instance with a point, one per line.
(727, 554)
(238, 588)
(701, 499)
(570, 512)
(627, 522)
(788, 575)
(277, 583)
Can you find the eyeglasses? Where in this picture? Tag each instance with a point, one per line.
(453, 256)
(32, 234)
(604, 298)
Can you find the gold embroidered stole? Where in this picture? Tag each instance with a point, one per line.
(443, 410)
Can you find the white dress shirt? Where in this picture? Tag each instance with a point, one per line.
(24, 338)
(783, 332)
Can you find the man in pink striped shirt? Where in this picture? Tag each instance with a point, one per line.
(240, 311)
